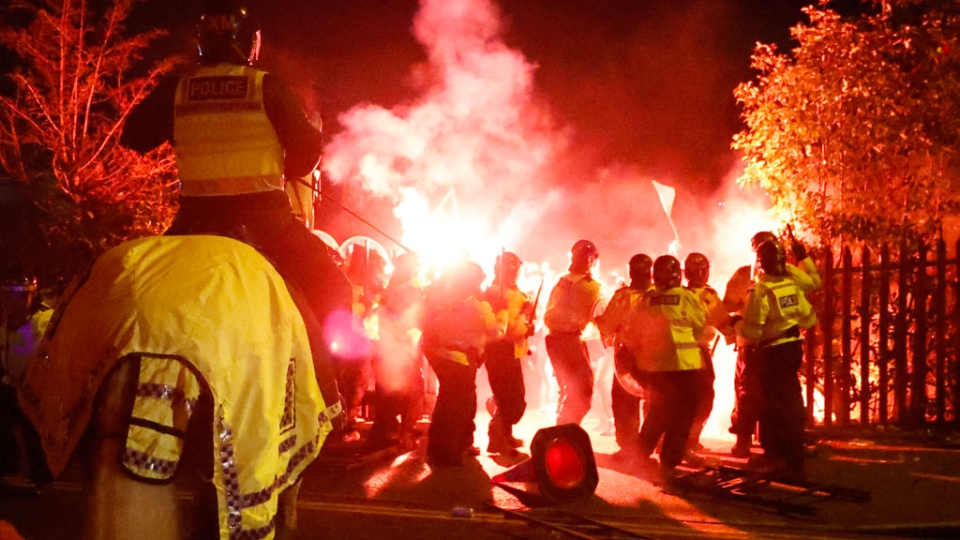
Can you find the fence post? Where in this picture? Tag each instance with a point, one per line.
(809, 352)
(827, 328)
(941, 332)
(918, 383)
(883, 348)
(956, 337)
(846, 337)
(900, 337)
(865, 318)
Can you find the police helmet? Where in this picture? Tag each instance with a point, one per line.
(696, 268)
(666, 272)
(508, 262)
(761, 237)
(772, 258)
(640, 266)
(583, 253)
(18, 297)
(465, 279)
(406, 266)
(228, 34)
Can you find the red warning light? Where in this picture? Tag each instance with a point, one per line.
(563, 464)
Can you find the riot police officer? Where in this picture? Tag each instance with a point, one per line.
(457, 325)
(572, 305)
(777, 311)
(626, 391)
(668, 321)
(696, 270)
(746, 411)
(502, 357)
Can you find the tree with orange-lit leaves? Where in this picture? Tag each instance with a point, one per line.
(76, 75)
(855, 133)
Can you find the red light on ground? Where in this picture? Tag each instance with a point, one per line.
(561, 464)
(564, 464)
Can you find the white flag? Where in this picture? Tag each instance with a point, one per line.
(666, 194)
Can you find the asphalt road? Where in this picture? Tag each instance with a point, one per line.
(883, 489)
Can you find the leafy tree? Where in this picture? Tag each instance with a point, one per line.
(76, 77)
(855, 133)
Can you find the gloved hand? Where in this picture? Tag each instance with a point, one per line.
(799, 250)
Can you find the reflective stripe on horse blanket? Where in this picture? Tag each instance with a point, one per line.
(223, 309)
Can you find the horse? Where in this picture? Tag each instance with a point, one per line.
(180, 362)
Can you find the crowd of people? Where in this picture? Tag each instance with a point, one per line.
(662, 327)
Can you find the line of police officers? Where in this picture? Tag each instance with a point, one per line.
(664, 336)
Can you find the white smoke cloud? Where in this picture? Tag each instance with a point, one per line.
(475, 132)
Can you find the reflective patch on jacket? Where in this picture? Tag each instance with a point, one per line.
(775, 305)
(218, 100)
(666, 325)
(572, 304)
(166, 396)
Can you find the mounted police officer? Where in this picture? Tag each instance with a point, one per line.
(239, 133)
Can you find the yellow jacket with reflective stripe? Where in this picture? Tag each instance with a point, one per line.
(459, 330)
(718, 320)
(224, 142)
(735, 296)
(664, 328)
(572, 303)
(513, 317)
(612, 322)
(774, 305)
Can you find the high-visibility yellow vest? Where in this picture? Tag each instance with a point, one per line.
(572, 304)
(459, 330)
(612, 322)
(513, 316)
(667, 324)
(775, 305)
(224, 142)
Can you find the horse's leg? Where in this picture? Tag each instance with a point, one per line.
(286, 520)
(120, 506)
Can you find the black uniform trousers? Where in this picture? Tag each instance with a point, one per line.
(782, 414)
(673, 403)
(571, 366)
(506, 383)
(746, 384)
(452, 423)
(705, 379)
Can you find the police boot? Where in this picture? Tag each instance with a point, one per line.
(498, 439)
(511, 440)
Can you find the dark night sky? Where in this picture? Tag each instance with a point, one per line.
(645, 81)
